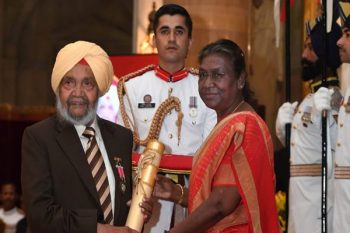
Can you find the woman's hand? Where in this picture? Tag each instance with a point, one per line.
(164, 188)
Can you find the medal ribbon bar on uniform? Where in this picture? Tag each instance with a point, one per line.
(193, 102)
(170, 163)
(160, 73)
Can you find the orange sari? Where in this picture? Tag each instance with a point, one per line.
(245, 138)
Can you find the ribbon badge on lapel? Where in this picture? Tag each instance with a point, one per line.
(120, 170)
(306, 117)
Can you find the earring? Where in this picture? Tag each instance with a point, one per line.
(241, 80)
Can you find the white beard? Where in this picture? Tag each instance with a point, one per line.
(66, 116)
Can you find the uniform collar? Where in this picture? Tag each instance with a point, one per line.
(174, 77)
(330, 81)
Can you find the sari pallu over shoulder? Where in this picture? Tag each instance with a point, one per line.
(246, 136)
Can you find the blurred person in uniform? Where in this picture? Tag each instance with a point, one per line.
(148, 93)
(108, 104)
(306, 134)
(323, 101)
(9, 213)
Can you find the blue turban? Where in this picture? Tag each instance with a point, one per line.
(317, 36)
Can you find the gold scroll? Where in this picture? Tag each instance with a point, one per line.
(144, 181)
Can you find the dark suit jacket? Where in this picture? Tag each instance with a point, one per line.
(58, 189)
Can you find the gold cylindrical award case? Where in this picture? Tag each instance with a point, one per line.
(144, 181)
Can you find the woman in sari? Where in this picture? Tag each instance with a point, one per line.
(232, 183)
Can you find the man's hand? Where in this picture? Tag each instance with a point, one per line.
(284, 116)
(322, 99)
(106, 228)
(146, 208)
(286, 112)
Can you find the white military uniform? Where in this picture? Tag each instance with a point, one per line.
(341, 222)
(305, 169)
(197, 122)
(195, 126)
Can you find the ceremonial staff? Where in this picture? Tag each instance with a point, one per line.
(324, 126)
(288, 77)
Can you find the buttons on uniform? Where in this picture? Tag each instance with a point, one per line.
(145, 119)
(294, 127)
(338, 144)
(292, 143)
(341, 125)
(170, 136)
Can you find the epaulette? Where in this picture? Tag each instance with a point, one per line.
(138, 72)
(193, 71)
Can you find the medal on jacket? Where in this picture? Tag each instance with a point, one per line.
(347, 105)
(193, 109)
(306, 117)
(120, 171)
(336, 99)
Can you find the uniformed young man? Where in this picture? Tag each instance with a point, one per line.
(306, 139)
(323, 101)
(149, 93)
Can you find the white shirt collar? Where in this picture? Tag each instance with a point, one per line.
(80, 129)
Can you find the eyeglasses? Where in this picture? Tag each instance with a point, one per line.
(70, 83)
(214, 75)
